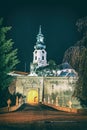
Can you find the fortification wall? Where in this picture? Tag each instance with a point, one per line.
(54, 90)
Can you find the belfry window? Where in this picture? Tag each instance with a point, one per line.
(35, 52)
(35, 57)
(42, 51)
(42, 57)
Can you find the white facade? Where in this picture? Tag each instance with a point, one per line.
(40, 54)
(39, 57)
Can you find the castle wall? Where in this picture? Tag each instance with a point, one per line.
(24, 84)
(59, 90)
(55, 90)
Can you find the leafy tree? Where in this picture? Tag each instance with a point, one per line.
(77, 57)
(74, 53)
(73, 56)
(8, 56)
(47, 70)
(52, 64)
(5, 95)
(81, 86)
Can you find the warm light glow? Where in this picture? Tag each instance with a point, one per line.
(32, 97)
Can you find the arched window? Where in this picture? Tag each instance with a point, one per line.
(35, 57)
(42, 57)
(35, 52)
(42, 51)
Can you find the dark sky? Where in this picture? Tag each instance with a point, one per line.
(57, 19)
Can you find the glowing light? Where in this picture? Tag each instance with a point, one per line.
(32, 97)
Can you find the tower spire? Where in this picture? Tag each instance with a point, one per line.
(40, 54)
(40, 29)
(40, 37)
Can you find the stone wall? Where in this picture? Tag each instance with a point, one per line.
(59, 90)
(25, 83)
(54, 90)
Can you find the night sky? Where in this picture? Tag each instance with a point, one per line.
(57, 19)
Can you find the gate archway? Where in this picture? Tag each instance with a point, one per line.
(32, 97)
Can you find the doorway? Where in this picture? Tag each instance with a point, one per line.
(32, 97)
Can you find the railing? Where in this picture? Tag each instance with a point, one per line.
(62, 107)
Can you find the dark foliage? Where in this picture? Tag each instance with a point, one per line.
(4, 96)
(77, 57)
(8, 56)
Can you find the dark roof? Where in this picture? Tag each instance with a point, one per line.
(65, 65)
(67, 74)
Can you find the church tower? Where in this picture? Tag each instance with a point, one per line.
(40, 54)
